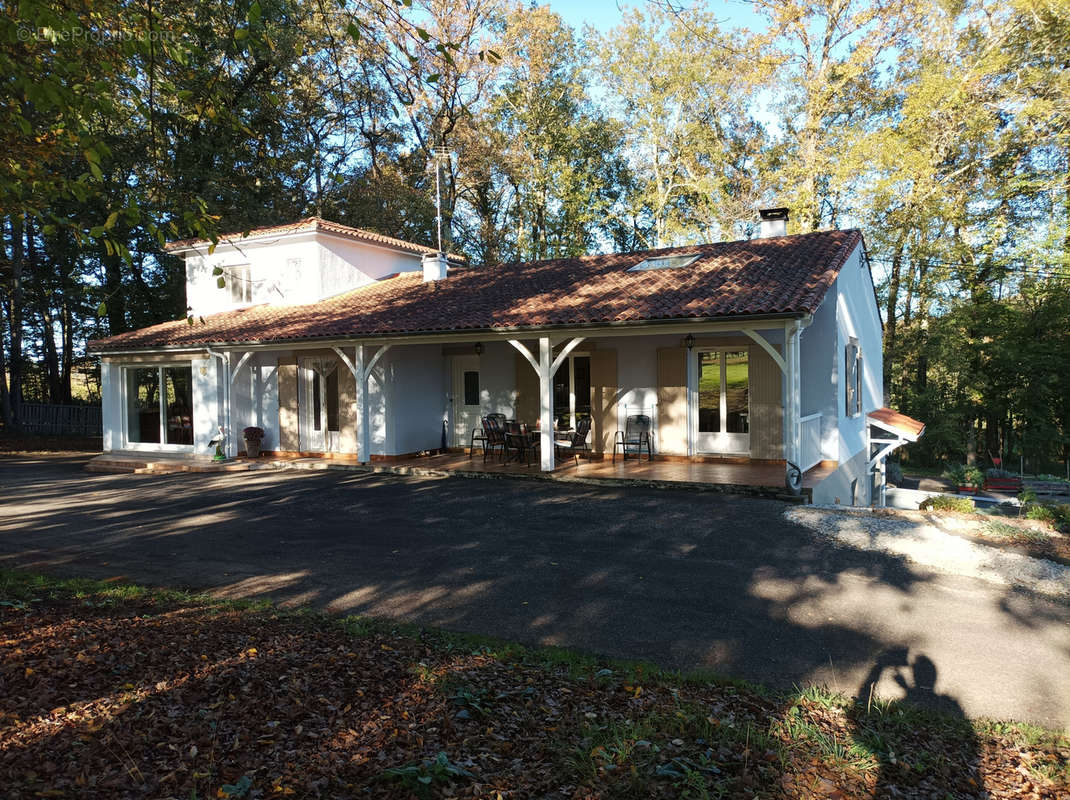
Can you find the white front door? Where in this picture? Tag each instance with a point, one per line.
(721, 418)
(467, 391)
(319, 405)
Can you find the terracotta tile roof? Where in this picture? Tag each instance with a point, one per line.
(890, 418)
(777, 276)
(314, 224)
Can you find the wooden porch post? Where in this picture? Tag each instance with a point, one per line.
(362, 370)
(793, 411)
(546, 405)
(364, 438)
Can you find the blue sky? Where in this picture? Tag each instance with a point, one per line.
(604, 14)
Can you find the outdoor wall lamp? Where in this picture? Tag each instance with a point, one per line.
(479, 348)
(690, 341)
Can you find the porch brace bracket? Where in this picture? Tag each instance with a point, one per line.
(545, 367)
(762, 342)
(361, 371)
(237, 367)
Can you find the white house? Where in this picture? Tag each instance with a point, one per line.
(338, 340)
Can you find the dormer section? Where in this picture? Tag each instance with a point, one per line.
(290, 265)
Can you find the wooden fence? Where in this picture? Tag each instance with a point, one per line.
(59, 419)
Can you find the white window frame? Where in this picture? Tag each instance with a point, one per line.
(240, 276)
(161, 446)
(572, 385)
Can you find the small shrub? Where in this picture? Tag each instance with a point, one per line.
(252, 434)
(962, 475)
(943, 502)
(1041, 513)
(418, 776)
(996, 472)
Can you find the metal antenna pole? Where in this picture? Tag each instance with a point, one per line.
(440, 154)
(438, 200)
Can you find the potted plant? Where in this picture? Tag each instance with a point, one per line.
(252, 436)
(967, 479)
(1001, 480)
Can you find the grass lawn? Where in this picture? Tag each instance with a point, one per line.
(113, 691)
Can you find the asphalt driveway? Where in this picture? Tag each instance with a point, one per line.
(683, 579)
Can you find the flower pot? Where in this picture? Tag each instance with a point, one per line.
(252, 448)
(967, 490)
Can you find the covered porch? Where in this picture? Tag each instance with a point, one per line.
(723, 400)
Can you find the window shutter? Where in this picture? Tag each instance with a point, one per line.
(858, 384)
(850, 382)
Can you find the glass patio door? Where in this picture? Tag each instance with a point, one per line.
(723, 402)
(159, 407)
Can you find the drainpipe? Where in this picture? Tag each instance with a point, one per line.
(224, 359)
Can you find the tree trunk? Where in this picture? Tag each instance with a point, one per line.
(889, 328)
(5, 399)
(48, 329)
(15, 365)
(113, 291)
(67, 327)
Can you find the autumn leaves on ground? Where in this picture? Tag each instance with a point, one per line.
(119, 692)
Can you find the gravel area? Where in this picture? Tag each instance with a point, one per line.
(928, 539)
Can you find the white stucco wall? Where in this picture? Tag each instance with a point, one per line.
(207, 410)
(497, 378)
(290, 270)
(857, 315)
(819, 378)
(254, 398)
(410, 380)
(111, 406)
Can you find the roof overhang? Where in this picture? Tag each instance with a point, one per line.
(900, 425)
(564, 331)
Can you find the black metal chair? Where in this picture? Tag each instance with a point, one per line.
(493, 434)
(576, 442)
(634, 437)
(520, 444)
(478, 435)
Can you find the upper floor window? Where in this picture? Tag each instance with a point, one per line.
(239, 281)
(853, 377)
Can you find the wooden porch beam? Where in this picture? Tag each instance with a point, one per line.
(767, 347)
(237, 367)
(523, 350)
(568, 348)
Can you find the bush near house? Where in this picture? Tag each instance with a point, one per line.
(115, 691)
(943, 502)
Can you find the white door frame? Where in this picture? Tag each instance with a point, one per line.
(722, 442)
(311, 440)
(465, 420)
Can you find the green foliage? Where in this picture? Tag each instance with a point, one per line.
(963, 475)
(239, 788)
(1041, 513)
(943, 502)
(420, 776)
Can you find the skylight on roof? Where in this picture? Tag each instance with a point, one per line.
(663, 262)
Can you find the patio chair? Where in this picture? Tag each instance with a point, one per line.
(635, 435)
(576, 442)
(520, 445)
(478, 435)
(493, 434)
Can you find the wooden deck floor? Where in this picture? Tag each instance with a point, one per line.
(741, 478)
(736, 474)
